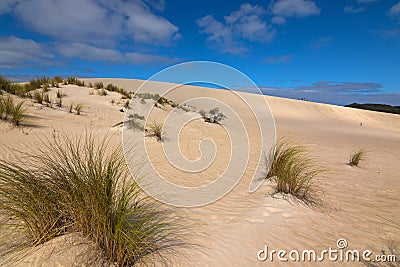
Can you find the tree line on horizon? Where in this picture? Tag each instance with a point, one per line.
(376, 107)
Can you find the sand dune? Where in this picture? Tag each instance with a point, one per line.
(232, 230)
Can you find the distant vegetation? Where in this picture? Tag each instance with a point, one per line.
(376, 107)
(25, 90)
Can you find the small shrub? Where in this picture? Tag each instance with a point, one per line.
(185, 108)
(113, 101)
(136, 116)
(203, 114)
(90, 85)
(357, 156)
(156, 128)
(78, 108)
(71, 107)
(142, 101)
(162, 101)
(126, 105)
(214, 116)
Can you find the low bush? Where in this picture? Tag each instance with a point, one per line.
(214, 116)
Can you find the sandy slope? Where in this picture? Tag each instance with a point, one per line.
(233, 229)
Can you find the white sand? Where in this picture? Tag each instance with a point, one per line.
(232, 230)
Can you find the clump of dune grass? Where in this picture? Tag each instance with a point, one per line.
(103, 92)
(80, 185)
(2, 107)
(38, 96)
(8, 105)
(78, 108)
(294, 172)
(98, 85)
(46, 98)
(9, 108)
(59, 93)
(156, 128)
(18, 113)
(357, 156)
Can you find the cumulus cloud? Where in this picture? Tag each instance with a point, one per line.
(93, 53)
(246, 23)
(277, 60)
(95, 21)
(15, 52)
(278, 20)
(6, 5)
(351, 9)
(394, 11)
(294, 8)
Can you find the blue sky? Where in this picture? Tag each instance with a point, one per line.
(335, 52)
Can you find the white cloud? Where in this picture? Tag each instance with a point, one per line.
(394, 11)
(351, 9)
(278, 20)
(246, 23)
(15, 52)
(277, 60)
(389, 33)
(96, 21)
(321, 42)
(156, 4)
(146, 27)
(6, 5)
(294, 8)
(93, 53)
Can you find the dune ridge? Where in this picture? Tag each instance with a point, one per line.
(232, 230)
